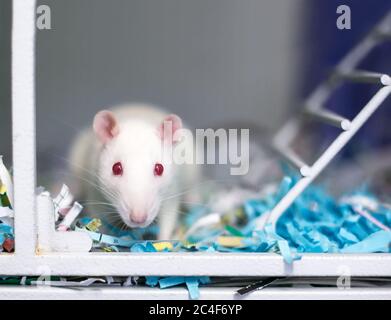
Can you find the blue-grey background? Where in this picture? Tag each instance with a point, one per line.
(212, 62)
(208, 61)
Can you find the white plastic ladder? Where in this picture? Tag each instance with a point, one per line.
(344, 71)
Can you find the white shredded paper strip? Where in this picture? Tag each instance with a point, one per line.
(63, 199)
(6, 212)
(6, 180)
(71, 216)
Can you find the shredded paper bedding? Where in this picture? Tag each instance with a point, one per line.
(357, 222)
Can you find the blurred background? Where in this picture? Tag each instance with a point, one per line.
(212, 62)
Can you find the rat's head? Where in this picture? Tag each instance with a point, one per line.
(133, 168)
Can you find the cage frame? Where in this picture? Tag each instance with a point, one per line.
(33, 236)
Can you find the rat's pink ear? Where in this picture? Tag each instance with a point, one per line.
(105, 126)
(171, 124)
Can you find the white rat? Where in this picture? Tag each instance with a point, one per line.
(123, 151)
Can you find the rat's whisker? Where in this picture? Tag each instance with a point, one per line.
(114, 220)
(97, 203)
(96, 186)
(195, 203)
(198, 185)
(75, 165)
(167, 213)
(124, 227)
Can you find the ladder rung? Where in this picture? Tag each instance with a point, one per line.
(329, 117)
(384, 34)
(366, 76)
(294, 160)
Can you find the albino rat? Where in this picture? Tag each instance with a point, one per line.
(123, 151)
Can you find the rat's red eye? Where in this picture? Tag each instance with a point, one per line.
(117, 169)
(158, 170)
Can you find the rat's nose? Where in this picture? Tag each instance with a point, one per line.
(138, 217)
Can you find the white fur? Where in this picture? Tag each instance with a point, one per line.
(138, 147)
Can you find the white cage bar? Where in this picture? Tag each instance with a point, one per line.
(38, 245)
